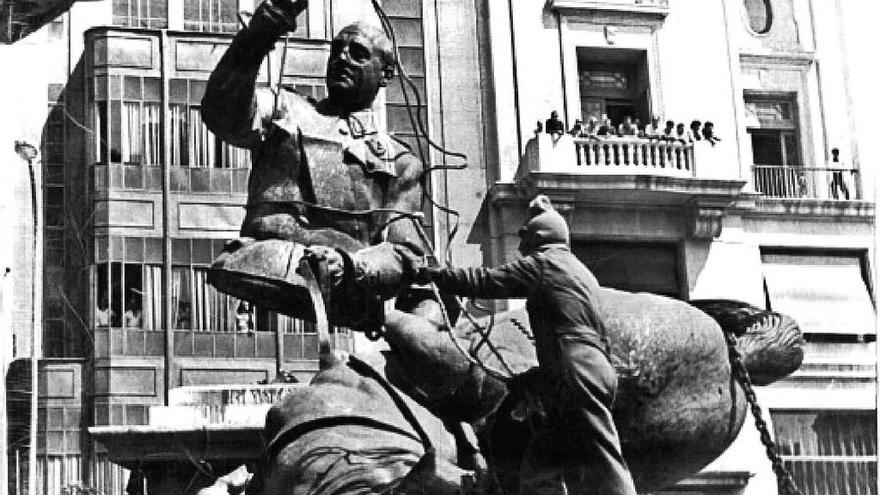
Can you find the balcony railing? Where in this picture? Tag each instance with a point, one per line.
(635, 155)
(781, 181)
(187, 343)
(183, 179)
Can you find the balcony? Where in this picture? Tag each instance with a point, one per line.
(183, 179)
(793, 182)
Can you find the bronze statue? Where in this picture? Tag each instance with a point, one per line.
(328, 183)
(324, 173)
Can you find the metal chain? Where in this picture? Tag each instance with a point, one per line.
(784, 481)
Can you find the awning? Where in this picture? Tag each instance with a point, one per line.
(824, 294)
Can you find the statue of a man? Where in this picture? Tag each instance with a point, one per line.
(324, 173)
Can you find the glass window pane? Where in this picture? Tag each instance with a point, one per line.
(760, 15)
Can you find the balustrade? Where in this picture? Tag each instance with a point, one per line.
(635, 155)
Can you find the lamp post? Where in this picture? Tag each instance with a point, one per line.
(29, 153)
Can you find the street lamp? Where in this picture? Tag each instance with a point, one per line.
(29, 153)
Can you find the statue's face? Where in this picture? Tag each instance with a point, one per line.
(355, 70)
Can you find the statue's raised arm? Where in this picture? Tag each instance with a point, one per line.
(233, 108)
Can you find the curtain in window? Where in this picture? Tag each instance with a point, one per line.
(179, 136)
(152, 315)
(202, 143)
(152, 134)
(130, 128)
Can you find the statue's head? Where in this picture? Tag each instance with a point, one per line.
(544, 226)
(361, 61)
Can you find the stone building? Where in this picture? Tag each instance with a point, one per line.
(133, 186)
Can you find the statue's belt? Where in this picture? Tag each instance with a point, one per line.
(361, 224)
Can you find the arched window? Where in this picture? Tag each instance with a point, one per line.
(760, 15)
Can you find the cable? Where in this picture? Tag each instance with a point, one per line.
(420, 131)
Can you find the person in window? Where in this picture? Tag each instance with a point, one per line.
(627, 127)
(575, 379)
(184, 316)
(244, 318)
(553, 125)
(709, 133)
(838, 184)
(132, 318)
(103, 313)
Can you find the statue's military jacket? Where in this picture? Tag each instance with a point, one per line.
(316, 174)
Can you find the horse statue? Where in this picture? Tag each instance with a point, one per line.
(436, 414)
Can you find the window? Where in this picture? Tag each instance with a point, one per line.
(829, 452)
(217, 16)
(192, 144)
(129, 117)
(614, 83)
(760, 15)
(630, 266)
(129, 290)
(773, 126)
(776, 151)
(140, 13)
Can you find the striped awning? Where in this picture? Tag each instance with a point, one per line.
(823, 293)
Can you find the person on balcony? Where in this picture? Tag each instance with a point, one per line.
(694, 131)
(838, 184)
(554, 126)
(592, 128)
(579, 450)
(681, 134)
(627, 127)
(669, 131)
(654, 130)
(606, 129)
(577, 129)
(709, 133)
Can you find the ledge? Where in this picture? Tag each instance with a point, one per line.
(641, 190)
(130, 446)
(659, 8)
(817, 208)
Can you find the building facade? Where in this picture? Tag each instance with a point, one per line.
(137, 197)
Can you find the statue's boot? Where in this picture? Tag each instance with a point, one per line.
(266, 273)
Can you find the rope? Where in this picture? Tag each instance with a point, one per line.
(784, 480)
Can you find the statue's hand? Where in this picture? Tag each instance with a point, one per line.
(277, 16)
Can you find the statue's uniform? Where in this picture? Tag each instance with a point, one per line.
(573, 354)
(321, 176)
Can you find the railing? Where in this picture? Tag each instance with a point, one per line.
(782, 181)
(188, 343)
(183, 179)
(635, 155)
